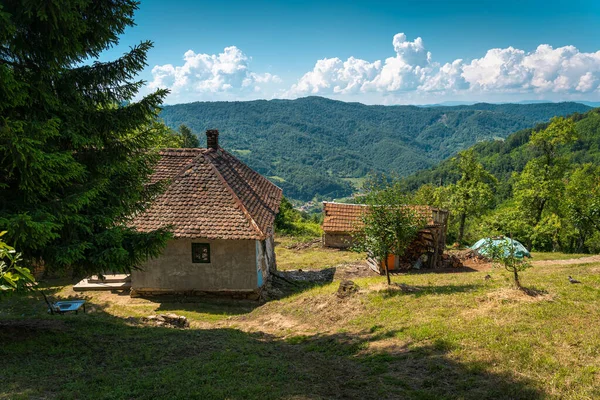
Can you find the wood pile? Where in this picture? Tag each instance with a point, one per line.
(471, 255)
(423, 244)
(451, 261)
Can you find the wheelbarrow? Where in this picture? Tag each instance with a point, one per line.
(64, 306)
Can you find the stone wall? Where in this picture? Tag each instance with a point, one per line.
(232, 268)
(337, 240)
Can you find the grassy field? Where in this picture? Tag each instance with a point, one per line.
(541, 256)
(313, 257)
(439, 336)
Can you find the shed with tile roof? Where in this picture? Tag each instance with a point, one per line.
(221, 213)
(340, 220)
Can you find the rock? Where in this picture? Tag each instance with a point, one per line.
(167, 320)
(347, 288)
(170, 318)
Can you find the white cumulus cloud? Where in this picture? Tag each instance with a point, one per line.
(210, 76)
(331, 75)
(545, 70)
(409, 74)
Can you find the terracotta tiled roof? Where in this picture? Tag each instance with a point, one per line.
(340, 217)
(212, 195)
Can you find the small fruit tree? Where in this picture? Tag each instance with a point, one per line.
(388, 225)
(503, 254)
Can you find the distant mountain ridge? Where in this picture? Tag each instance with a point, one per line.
(316, 147)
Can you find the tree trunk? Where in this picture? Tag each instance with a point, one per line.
(461, 227)
(517, 282)
(580, 242)
(540, 211)
(387, 270)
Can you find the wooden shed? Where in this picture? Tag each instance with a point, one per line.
(341, 220)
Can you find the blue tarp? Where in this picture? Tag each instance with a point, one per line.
(482, 246)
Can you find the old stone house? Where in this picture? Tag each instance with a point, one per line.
(222, 215)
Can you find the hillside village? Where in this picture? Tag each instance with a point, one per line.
(302, 248)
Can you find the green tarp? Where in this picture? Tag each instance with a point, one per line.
(483, 246)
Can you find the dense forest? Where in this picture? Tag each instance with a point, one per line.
(503, 157)
(314, 147)
(540, 185)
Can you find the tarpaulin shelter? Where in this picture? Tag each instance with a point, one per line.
(484, 247)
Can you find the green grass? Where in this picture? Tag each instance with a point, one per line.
(316, 257)
(451, 336)
(543, 256)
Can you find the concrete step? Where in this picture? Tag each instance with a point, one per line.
(115, 278)
(86, 285)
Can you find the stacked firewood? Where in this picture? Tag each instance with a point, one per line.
(423, 244)
(470, 255)
(451, 261)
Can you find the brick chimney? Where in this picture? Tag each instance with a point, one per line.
(212, 139)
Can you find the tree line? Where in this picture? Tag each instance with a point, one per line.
(545, 191)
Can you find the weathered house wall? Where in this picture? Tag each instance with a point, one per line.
(233, 267)
(265, 259)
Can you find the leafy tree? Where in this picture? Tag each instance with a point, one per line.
(12, 276)
(430, 195)
(540, 184)
(286, 215)
(582, 200)
(290, 221)
(545, 196)
(388, 225)
(503, 255)
(506, 219)
(165, 136)
(189, 140)
(473, 193)
(546, 234)
(75, 150)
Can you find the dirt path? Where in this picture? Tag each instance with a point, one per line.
(485, 266)
(570, 261)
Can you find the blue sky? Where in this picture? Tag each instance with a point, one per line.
(370, 51)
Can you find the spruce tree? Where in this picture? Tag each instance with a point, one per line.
(188, 138)
(76, 151)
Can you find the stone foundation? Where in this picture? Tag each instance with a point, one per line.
(233, 294)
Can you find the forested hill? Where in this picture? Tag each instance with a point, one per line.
(312, 146)
(503, 157)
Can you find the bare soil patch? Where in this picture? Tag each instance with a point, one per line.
(306, 315)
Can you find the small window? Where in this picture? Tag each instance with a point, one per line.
(201, 253)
